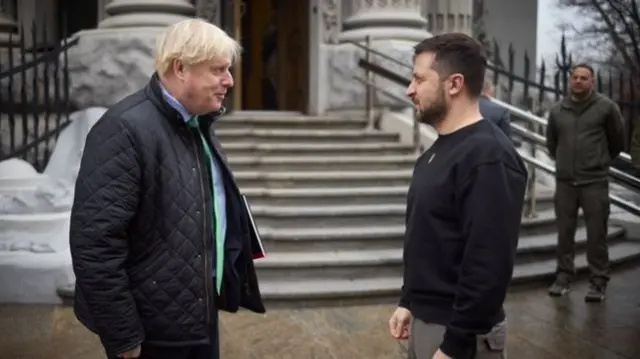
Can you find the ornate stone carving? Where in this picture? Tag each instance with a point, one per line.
(209, 10)
(330, 12)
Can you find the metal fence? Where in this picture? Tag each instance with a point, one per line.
(34, 96)
(538, 87)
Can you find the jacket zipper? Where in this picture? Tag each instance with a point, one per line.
(207, 270)
(575, 146)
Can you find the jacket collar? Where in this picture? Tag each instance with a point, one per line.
(154, 93)
(568, 103)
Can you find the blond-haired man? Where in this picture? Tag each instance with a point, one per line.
(160, 237)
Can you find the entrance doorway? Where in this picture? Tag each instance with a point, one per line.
(76, 15)
(274, 68)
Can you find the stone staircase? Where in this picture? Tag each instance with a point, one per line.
(329, 198)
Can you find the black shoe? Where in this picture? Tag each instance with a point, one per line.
(559, 288)
(596, 293)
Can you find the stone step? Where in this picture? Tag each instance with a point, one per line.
(532, 248)
(326, 196)
(277, 136)
(325, 179)
(377, 236)
(351, 264)
(391, 195)
(317, 149)
(311, 239)
(288, 291)
(277, 121)
(364, 215)
(319, 163)
(319, 290)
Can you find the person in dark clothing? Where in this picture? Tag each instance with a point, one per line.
(585, 132)
(492, 112)
(463, 212)
(160, 235)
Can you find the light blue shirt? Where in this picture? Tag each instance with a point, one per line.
(219, 195)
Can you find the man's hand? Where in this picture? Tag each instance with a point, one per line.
(131, 354)
(399, 323)
(440, 355)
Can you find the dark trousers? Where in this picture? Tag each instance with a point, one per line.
(209, 351)
(593, 198)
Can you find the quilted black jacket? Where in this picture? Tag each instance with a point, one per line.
(141, 227)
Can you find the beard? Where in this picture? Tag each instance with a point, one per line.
(580, 94)
(435, 112)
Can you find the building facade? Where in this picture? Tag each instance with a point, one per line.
(299, 55)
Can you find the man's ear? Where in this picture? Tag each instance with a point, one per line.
(456, 84)
(178, 69)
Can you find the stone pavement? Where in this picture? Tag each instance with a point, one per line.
(540, 328)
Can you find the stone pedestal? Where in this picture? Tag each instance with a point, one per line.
(145, 13)
(109, 64)
(116, 59)
(34, 240)
(385, 19)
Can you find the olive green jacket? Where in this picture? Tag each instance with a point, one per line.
(584, 137)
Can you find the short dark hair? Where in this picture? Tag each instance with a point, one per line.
(457, 53)
(583, 65)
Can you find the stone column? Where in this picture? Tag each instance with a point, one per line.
(145, 13)
(102, 13)
(450, 16)
(8, 29)
(385, 19)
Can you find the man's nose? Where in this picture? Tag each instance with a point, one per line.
(410, 91)
(227, 81)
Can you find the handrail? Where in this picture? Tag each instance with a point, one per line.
(539, 120)
(386, 92)
(379, 70)
(417, 144)
(621, 176)
(622, 203)
(378, 53)
(49, 56)
(531, 136)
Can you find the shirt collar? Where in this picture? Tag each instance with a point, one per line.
(175, 104)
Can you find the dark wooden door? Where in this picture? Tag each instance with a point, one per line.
(292, 54)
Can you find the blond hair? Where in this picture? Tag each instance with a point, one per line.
(194, 41)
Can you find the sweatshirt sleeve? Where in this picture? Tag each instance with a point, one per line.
(490, 201)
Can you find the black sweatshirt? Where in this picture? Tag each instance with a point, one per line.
(463, 218)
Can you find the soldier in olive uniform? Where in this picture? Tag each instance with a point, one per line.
(585, 133)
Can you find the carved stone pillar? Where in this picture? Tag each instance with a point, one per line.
(450, 16)
(385, 19)
(146, 13)
(331, 20)
(8, 29)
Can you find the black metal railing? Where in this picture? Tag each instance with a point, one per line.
(534, 138)
(34, 96)
(520, 82)
(537, 87)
